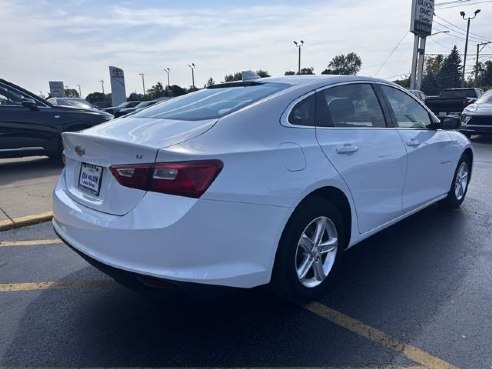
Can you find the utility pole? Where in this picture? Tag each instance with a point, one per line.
(102, 85)
(477, 65)
(80, 92)
(168, 88)
(299, 45)
(143, 83)
(466, 42)
(192, 67)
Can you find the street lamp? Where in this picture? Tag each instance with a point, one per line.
(462, 13)
(167, 70)
(299, 45)
(102, 85)
(436, 33)
(143, 82)
(192, 67)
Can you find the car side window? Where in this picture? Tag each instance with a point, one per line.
(408, 112)
(302, 114)
(349, 106)
(9, 97)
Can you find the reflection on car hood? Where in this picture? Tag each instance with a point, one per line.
(478, 109)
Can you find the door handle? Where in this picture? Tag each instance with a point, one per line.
(347, 149)
(413, 142)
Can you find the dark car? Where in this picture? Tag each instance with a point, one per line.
(476, 119)
(127, 104)
(30, 125)
(142, 105)
(452, 101)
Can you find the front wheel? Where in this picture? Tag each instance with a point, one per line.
(459, 186)
(309, 251)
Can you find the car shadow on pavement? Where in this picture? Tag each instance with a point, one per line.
(28, 168)
(395, 281)
(483, 139)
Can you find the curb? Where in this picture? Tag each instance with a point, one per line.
(25, 221)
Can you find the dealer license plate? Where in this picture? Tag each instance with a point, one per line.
(90, 178)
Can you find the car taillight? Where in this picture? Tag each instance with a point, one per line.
(191, 178)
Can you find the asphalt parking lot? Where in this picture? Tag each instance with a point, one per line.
(417, 295)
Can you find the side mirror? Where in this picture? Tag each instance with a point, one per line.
(29, 103)
(450, 123)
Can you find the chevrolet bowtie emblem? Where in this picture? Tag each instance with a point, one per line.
(79, 150)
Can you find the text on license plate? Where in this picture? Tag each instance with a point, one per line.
(90, 178)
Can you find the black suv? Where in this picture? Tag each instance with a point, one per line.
(30, 125)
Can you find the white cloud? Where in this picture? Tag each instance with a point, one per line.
(75, 42)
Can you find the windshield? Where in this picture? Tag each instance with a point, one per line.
(212, 103)
(486, 98)
(82, 104)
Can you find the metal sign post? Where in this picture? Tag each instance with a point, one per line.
(421, 27)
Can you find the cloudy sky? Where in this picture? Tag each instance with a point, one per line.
(76, 40)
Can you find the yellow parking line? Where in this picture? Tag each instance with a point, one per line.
(30, 242)
(353, 325)
(35, 286)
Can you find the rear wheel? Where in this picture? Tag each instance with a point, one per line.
(459, 186)
(309, 252)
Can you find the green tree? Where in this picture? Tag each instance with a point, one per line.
(449, 75)
(135, 97)
(404, 82)
(307, 70)
(433, 64)
(210, 82)
(97, 97)
(71, 92)
(429, 84)
(177, 90)
(486, 74)
(233, 77)
(156, 91)
(349, 64)
(262, 73)
(289, 73)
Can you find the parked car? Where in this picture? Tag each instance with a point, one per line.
(30, 125)
(249, 183)
(418, 94)
(127, 104)
(477, 117)
(452, 101)
(141, 105)
(72, 102)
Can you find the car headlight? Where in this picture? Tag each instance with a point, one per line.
(465, 119)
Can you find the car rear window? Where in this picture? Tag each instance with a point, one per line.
(459, 93)
(212, 103)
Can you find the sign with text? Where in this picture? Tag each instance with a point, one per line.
(118, 91)
(57, 89)
(422, 16)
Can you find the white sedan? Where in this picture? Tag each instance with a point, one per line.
(255, 182)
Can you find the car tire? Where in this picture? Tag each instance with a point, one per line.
(305, 263)
(459, 186)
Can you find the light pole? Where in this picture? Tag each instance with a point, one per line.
(80, 92)
(421, 61)
(167, 70)
(102, 85)
(192, 67)
(477, 65)
(299, 45)
(466, 42)
(143, 82)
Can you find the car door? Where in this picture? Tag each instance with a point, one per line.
(22, 127)
(429, 149)
(369, 155)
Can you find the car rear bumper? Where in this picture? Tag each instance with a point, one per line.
(179, 239)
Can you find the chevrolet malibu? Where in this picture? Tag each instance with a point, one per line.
(264, 181)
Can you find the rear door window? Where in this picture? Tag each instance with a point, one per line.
(349, 106)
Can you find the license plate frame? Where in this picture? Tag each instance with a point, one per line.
(87, 175)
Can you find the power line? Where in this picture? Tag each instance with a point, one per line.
(392, 52)
(463, 29)
(462, 4)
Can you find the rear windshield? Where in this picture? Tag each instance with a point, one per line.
(459, 93)
(212, 103)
